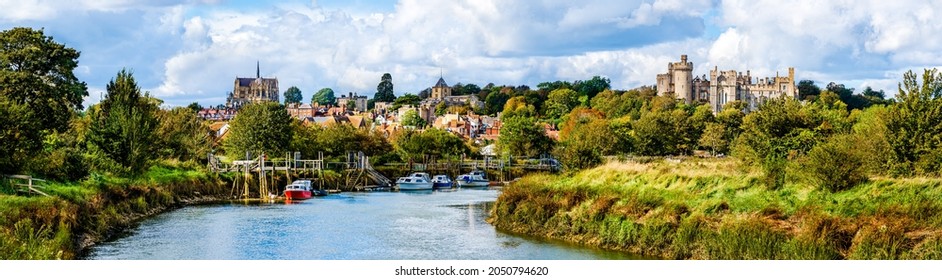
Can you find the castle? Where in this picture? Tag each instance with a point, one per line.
(723, 86)
(249, 90)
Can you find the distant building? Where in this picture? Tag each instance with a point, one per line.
(358, 101)
(251, 90)
(441, 93)
(723, 86)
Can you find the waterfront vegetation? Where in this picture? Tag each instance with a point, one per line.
(716, 209)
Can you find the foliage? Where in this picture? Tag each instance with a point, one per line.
(915, 125)
(807, 90)
(561, 102)
(195, 107)
(37, 72)
(412, 118)
(183, 135)
(714, 137)
(585, 137)
(336, 140)
(592, 86)
(523, 136)
(259, 128)
(407, 99)
(441, 109)
(384, 90)
(39, 93)
(325, 96)
(414, 145)
(837, 164)
(495, 102)
(784, 129)
(518, 107)
(122, 131)
(293, 95)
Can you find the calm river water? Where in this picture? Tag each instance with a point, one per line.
(350, 226)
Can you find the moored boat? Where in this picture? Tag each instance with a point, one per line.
(476, 178)
(415, 181)
(442, 182)
(300, 189)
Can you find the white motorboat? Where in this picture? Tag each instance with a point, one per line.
(415, 181)
(476, 178)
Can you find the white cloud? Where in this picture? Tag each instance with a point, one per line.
(182, 50)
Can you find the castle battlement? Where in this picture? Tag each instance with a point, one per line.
(723, 86)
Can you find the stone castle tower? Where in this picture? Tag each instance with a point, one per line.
(678, 80)
(440, 90)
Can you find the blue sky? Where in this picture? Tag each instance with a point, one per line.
(191, 50)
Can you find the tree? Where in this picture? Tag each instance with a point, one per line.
(293, 95)
(39, 93)
(441, 109)
(714, 137)
(325, 96)
(195, 107)
(522, 136)
(183, 135)
(259, 128)
(495, 102)
(837, 164)
(592, 87)
(518, 106)
(915, 125)
(561, 102)
(121, 134)
(585, 137)
(414, 145)
(407, 99)
(384, 90)
(412, 118)
(807, 90)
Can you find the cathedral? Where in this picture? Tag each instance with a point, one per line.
(723, 86)
(250, 90)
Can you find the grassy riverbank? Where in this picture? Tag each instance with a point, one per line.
(79, 214)
(711, 209)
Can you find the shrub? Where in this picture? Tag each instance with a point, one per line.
(836, 164)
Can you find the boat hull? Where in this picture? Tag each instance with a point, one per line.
(473, 184)
(445, 185)
(414, 186)
(297, 194)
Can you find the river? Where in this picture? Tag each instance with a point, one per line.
(350, 226)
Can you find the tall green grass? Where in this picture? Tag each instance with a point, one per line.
(711, 209)
(57, 227)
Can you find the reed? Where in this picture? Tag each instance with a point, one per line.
(715, 209)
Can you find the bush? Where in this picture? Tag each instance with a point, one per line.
(836, 164)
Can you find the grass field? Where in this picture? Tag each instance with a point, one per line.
(715, 209)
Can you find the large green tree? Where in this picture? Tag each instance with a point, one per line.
(259, 128)
(183, 135)
(293, 95)
(523, 136)
(39, 93)
(122, 131)
(415, 145)
(325, 96)
(384, 90)
(915, 124)
(561, 102)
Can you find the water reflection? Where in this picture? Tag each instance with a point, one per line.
(352, 226)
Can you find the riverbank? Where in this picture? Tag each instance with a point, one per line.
(713, 209)
(78, 215)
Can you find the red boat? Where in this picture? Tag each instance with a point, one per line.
(300, 189)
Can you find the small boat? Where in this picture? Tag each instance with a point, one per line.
(442, 182)
(415, 181)
(300, 189)
(476, 178)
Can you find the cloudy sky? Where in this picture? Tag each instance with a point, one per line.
(191, 50)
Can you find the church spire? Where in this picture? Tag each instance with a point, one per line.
(258, 70)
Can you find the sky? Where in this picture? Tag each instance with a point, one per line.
(185, 51)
